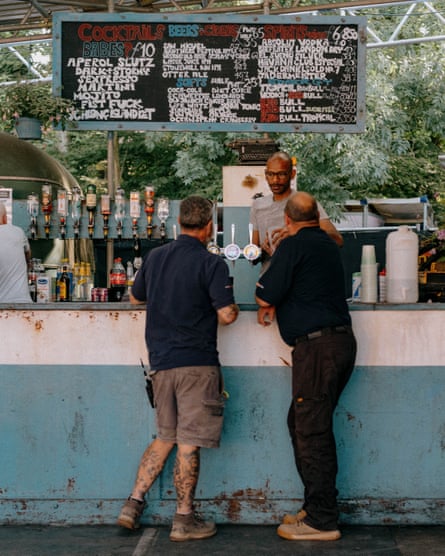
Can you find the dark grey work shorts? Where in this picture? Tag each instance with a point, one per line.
(189, 405)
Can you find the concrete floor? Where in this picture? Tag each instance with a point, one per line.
(241, 540)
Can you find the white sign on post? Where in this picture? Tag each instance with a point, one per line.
(6, 199)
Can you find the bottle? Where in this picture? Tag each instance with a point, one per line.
(64, 284)
(402, 270)
(78, 286)
(130, 276)
(89, 282)
(382, 286)
(91, 201)
(71, 277)
(42, 284)
(118, 279)
(81, 282)
(91, 198)
(137, 254)
(58, 275)
(32, 280)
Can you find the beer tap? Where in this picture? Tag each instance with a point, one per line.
(91, 201)
(163, 214)
(135, 211)
(105, 209)
(76, 210)
(32, 205)
(149, 208)
(119, 211)
(62, 210)
(47, 207)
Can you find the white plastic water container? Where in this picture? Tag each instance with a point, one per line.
(402, 282)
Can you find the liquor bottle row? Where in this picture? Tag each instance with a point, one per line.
(116, 214)
(67, 284)
(76, 282)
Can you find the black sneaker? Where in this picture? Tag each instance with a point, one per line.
(131, 513)
(191, 527)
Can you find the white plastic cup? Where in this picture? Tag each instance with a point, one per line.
(368, 254)
(368, 292)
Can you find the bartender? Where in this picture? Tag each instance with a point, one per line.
(267, 213)
(15, 255)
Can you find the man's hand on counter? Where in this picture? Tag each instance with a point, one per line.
(266, 315)
(228, 314)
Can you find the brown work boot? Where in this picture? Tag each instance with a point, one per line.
(289, 519)
(191, 527)
(299, 531)
(131, 513)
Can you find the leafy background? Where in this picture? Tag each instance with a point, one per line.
(396, 156)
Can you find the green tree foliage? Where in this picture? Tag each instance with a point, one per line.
(176, 164)
(405, 133)
(396, 156)
(185, 163)
(12, 66)
(82, 154)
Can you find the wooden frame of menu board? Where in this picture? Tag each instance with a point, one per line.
(212, 73)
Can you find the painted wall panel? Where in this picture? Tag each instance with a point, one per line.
(74, 421)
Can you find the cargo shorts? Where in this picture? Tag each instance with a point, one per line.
(189, 405)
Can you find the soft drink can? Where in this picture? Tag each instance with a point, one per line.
(95, 294)
(103, 294)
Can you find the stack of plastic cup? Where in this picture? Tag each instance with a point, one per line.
(368, 269)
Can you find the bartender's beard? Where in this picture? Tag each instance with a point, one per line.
(280, 189)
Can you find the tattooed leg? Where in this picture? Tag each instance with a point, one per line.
(186, 475)
(152, 462)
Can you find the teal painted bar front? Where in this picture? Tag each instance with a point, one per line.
(74, 420)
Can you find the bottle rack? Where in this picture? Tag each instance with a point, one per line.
(22, 219)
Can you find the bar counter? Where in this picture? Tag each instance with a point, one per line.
(74, 418)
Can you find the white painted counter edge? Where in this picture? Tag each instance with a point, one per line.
(114, 335)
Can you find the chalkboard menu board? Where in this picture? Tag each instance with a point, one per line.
(217, 73)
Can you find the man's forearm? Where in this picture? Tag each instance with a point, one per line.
(135, 301)
(261, 302)
(228, 314)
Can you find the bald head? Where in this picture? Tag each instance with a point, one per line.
(281, 156)
(3, 215)
(302, 207)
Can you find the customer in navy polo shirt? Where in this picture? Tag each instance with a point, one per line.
(187, 292)
(304, 286)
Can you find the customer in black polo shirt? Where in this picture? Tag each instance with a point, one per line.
(187, 291)
(304, 287)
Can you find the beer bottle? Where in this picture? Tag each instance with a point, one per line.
(64, 284)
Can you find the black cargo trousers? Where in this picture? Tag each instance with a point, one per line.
(321, 368)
